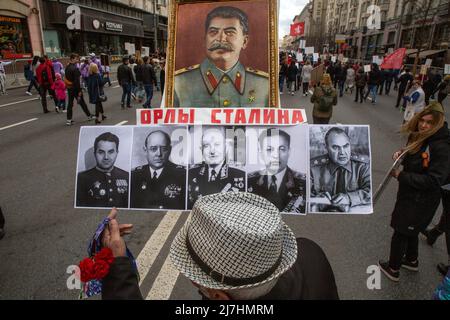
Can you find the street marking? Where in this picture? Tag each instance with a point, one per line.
(153, 246)
(121, 123)
(164, 282)
(12, 103)
(17, 124)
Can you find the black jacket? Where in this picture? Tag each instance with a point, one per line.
(405, 81)
(73, 75)
(374, 78)
(124, 74)
(419, 192)
(292, 72)
(148, 74)
(95, 88)
(310, 278)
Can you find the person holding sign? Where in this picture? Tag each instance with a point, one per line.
(340, 176)
(443, 89)
(221, 80)
(160, 184)
(425, 169)
(278, 183)
(213, 175)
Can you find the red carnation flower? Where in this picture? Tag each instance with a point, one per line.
(106, 255)
(86, 270)
(101, 269)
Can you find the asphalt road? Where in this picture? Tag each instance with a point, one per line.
(45, 234)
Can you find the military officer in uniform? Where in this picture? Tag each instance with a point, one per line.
(340, 178)
(213, 175)
(104, 185)
(221, 80)
(278, 183)
(160, 184)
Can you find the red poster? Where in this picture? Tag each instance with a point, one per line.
(298, 29)
(394, 60)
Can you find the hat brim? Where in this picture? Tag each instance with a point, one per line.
(182, 260)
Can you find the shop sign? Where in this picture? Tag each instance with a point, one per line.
(9, 19)
(113, 26)
(96, 24)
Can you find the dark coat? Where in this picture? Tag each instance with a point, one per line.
(310, 278)
(148, 74)
(292, 72)
(419, 192)
(95, 88)
(124, 74)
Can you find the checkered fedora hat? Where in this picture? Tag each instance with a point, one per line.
(233, 240)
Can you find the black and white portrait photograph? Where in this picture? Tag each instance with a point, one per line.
(159, 164)
(277, 162)
(217, 161)
(103, 167)
(340, 169)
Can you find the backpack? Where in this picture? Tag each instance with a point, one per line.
(45, 76)
(326, 101)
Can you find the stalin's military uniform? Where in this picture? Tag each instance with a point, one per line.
(201, 184)
(96, 188)
(353, 179)
(291, 195)
(206, 86)
(167, 191)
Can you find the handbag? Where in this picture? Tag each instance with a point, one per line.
(101, 94)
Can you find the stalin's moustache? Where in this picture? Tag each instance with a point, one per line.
(220, 46)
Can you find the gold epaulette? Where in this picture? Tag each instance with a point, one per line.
(257, 72)
(183, 70)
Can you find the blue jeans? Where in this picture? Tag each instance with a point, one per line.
(341, 87)
(373, 90)
(149, 95)
(126, 92)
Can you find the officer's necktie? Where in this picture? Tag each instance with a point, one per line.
(213, 175)
(340, 180)
(273, 184)
(155, 176)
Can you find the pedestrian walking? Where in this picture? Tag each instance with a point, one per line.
(404, 81)
(149, 80)
(74, 91)
(382, 81)
(291, 77)
(125, 79)
(361, 82)
(139, 91)
(30, 75)
(415, 101)
(443, 89)
(324, 98)
(84, 70)
(58, 67)
(162, 77)
(388, 81)
(96, 93)
(340, 76)
(373, 82)
(306, 77)
(44, 75)
(3, 64)
(59, 87)
(132, 66)
(425, 169)
(282, 75)
(97, 61)
(106, 75)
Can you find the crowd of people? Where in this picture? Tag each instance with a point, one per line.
(68, 83)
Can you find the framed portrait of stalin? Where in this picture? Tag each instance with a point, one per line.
(222, 54)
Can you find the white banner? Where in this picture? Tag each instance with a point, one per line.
(309, 50)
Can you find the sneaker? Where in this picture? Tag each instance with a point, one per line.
(29, 93)
(443, 268)
(388, 272)
(64, 111)
(91, 117)
(57, 109)
(412, 266)
(69, 122)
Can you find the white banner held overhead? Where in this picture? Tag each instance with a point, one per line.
(309, 50)
(367, 68)
(220, 116)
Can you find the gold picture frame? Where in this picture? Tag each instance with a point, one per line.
(272, 49)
